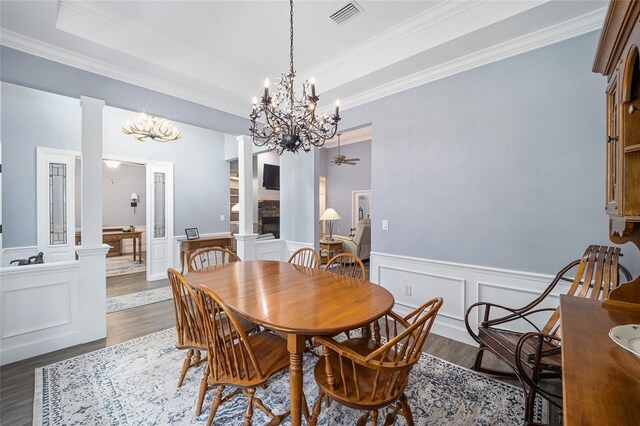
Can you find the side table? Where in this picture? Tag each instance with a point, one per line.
(332, 247)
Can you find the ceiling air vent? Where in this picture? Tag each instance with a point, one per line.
(346, 12)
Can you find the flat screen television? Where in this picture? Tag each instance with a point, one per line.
(271, 177)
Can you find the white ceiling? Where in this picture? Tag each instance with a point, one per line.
(218, 53)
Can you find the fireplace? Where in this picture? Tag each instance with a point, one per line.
(269, 217)
(271, 224)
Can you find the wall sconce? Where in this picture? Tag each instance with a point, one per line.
(134, 201)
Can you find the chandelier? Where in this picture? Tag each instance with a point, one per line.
(291, 124)
(145, 126)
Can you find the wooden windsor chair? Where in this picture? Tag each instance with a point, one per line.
(305, 256)
(209, 256)
(189, 324)
(347, 264)
(190, 328)
(534, 355)
(240, 360)
(368, 375)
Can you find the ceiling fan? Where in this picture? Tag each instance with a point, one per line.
(342, 159)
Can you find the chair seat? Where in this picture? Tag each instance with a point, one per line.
(273, 354)
(504, 342)
(365, 377)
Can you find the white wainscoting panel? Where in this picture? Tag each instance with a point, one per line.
(12, 253)
(40, 309)
(293, 246)
(460, 286)
(270, 250)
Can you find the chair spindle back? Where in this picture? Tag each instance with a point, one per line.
(210, 256)
(386, 369)
(305, 256)
(347, 264)
(189, 322)
(231, 358)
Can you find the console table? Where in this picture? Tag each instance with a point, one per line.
(114, 237)
(189, 246)
(600, 380)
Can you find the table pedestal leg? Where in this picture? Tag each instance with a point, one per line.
(295, 345)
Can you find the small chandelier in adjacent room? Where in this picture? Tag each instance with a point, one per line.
(145, 126)
(291, 124)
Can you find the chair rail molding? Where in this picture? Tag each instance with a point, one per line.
(413, 280)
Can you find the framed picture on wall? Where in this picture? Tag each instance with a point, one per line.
(192, 233)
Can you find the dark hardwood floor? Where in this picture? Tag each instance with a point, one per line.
(17, 379)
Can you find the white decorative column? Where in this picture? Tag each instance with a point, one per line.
(92, 253)
(245, 237)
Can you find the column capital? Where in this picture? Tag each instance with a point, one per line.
(88, 101)
(92, 251)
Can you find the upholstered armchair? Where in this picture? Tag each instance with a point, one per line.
(360, 244)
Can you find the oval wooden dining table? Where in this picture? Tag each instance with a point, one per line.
(295, 300)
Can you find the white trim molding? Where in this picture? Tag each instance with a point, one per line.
(412, 281)
(545, 37)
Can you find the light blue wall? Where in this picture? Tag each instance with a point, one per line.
(500, 166)
(31, 71)
(33, 118)
(299, 199)
(343, 179)
(30, 118)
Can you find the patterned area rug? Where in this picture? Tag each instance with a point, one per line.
(134, 383)
(122, 265)
(133, 300)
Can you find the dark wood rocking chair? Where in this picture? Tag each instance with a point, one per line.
(535, 355)
(368, 375)
(240, 360)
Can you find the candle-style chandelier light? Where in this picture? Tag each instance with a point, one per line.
(145, 126)
(291, 124)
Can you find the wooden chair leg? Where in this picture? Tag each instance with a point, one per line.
(185, 366)
(406, 410)
(374, 417)
(203, 391)
(392, 415)
(215, 404)
(316, 410)
(362, 420)
(273, 418)
(249, 411)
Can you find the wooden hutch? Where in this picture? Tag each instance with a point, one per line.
(618, 58)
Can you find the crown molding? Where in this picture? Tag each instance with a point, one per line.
(94, 22)
(547, 36)
(47, 51)
(437, 25)
(538, 39)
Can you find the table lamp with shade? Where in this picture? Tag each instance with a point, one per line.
(330, 215)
